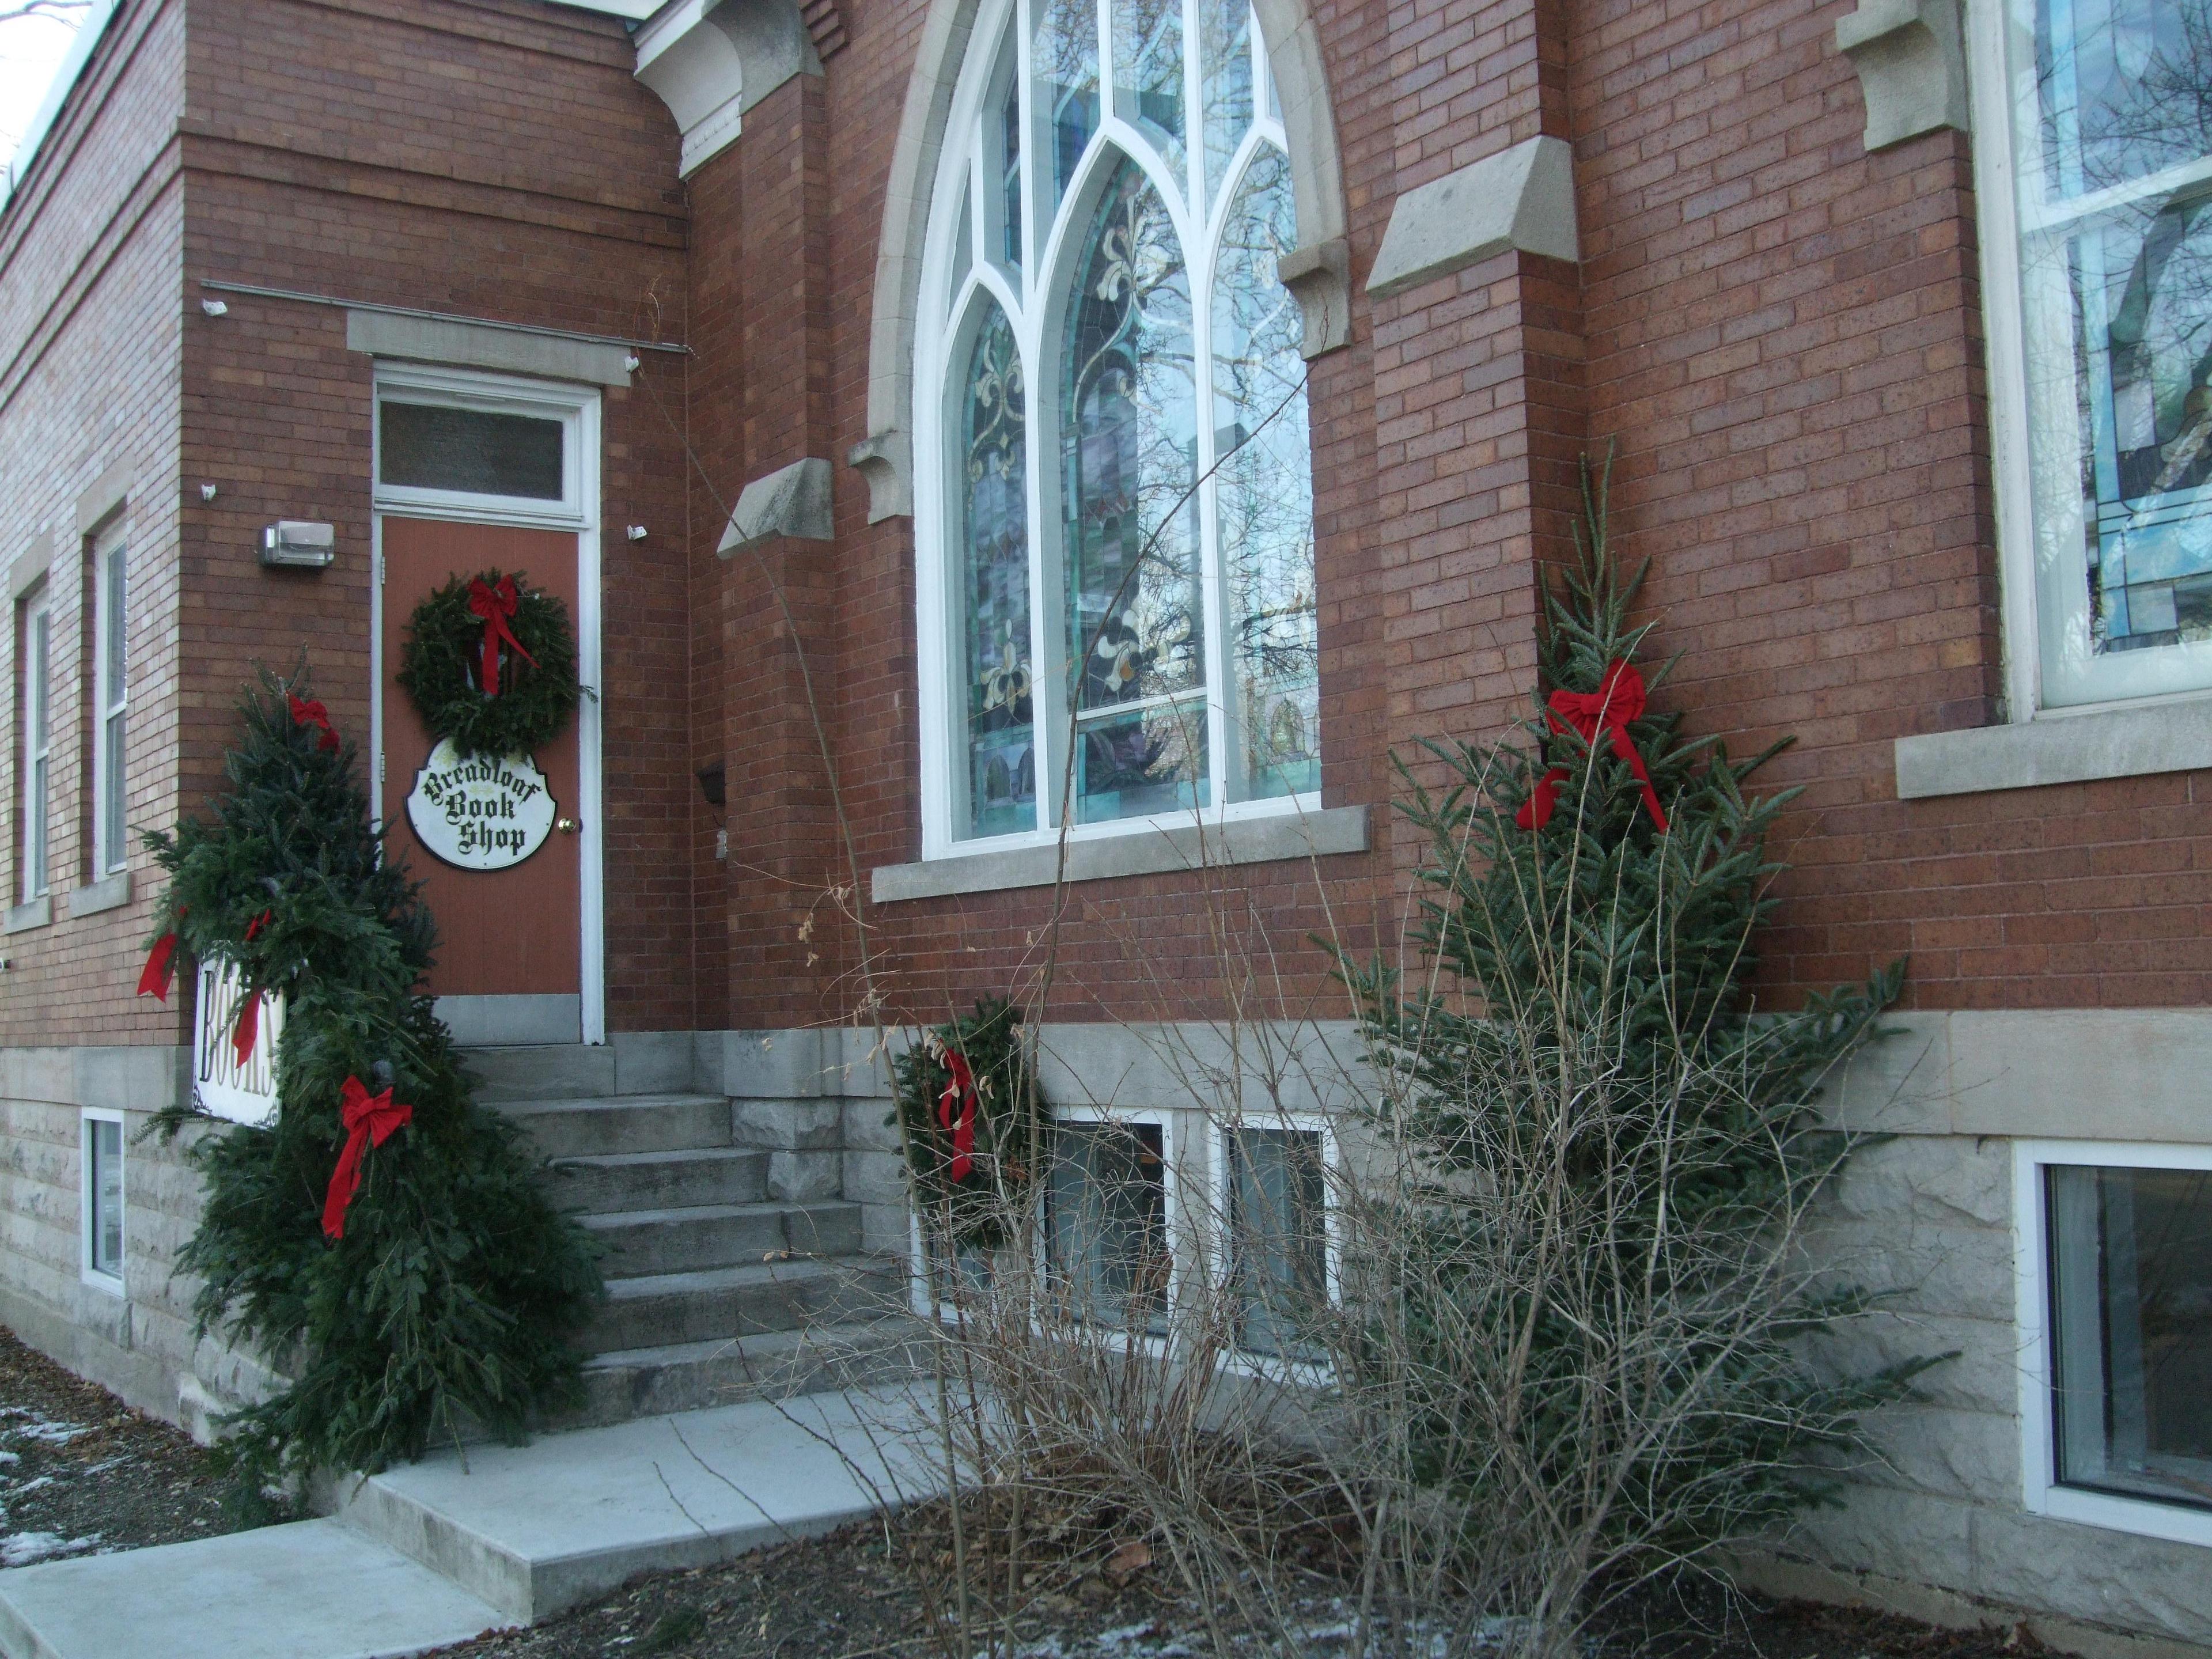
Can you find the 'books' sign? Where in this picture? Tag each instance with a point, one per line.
(484, 812)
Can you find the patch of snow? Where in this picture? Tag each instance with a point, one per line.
(20, 1549)
(31, 1486)
(40, 1427)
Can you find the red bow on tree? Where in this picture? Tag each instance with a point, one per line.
(369, 1120)
(305, 712)
(495, 605)
(956, 1111)
(253, 927)
(160, 965)
(1617, 700)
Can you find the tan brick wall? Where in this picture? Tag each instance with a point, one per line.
(90, 346)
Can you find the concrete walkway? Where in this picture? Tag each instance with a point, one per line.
(428, 1554)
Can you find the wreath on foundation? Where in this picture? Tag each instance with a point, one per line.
(972, 1114)
(491, 662)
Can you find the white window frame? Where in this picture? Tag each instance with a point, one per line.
(1223, 1253)
(37, 796)
(578, 408)
(110, 842)
(1172, 1220)
(88, 1201)
(2041, 1490)
(2186, 671)
(965, 162)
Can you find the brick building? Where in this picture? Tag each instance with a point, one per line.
(753, 326)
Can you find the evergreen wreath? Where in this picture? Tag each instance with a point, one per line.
(1009, 1111)
(440, 667)
(448, 1298)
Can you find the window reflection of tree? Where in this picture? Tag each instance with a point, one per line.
(2127, 96)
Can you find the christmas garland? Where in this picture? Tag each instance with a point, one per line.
(385, 1239)
(491, 662)
(972, 1112)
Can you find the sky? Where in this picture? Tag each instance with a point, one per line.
(31, 50)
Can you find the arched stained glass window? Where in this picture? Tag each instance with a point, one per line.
(1115, 501)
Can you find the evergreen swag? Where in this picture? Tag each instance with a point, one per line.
(1009, 1108)
(440, 667)
(448, 1298)
(1583, 1014)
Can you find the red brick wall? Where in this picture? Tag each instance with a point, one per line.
(1777, 337)
(494, 161)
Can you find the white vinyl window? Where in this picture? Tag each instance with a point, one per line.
(2097, 251)
(35, 803)
(102, 1197)
(1115, 505)
(2114, 1251)
(110, 831)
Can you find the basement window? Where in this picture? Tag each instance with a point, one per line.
(1106, 1214)
(103, 1198)
(2116, 1303)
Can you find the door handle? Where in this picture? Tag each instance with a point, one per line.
(567, 826)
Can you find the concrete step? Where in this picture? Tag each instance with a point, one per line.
(632, 1123)
(686, 1376)
(313, 1589)
(718, 1303)
(567, 1071)
(659, 1181)
(532, 1530)
(639, 1243)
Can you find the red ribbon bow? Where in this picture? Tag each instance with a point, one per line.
(254, 927)
(161, 966)
(1617, 700)
(369, 1120)
(305, 712)
(248, 1027)
(495, 605)
(956, 1111)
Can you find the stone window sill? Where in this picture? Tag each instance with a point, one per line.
(21, 918)
(110, 893)
(1139, 853)
(2114, 743)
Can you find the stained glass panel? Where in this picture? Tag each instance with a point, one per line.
(995, 586)
(1135, 618)
(1263, 488)
(2114, 140)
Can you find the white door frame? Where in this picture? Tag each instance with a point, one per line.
(578, 409)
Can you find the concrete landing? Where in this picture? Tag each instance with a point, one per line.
(425, 1555)
(532, 1530)
(313, 1589)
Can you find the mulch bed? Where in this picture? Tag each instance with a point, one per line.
(82, 1473)
(846, 1597)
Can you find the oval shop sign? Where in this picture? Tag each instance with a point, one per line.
(484, 812)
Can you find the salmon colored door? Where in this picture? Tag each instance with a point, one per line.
(516, 931)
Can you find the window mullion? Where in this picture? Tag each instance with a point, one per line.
(1213, 592)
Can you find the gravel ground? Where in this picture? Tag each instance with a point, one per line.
(82, 1473)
